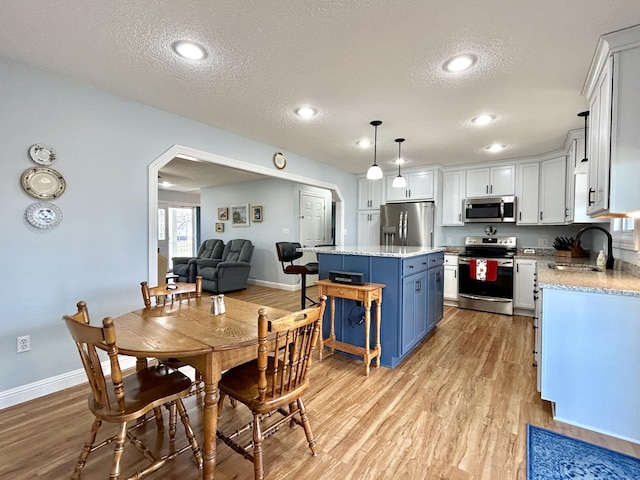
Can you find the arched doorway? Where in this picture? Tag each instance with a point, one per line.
(200, 155)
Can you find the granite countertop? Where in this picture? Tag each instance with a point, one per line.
(611, 282)
(374, 251)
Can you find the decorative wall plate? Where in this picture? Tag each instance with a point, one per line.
(42, 154)
(43, 182)
(43, 215)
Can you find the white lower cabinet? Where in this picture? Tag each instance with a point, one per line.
(523, 285)
(451, 279)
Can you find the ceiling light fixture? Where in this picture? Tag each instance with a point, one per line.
(375, 172)
(364, 143)
(190, 50)
(306, 112)
(399, 181)
(460, 63)
(583, 166)
(496, 147)
(483, 119)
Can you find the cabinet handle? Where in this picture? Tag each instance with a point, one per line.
(459, 217)
(566, 212)
(591, 202)
(540, 215)
(520, 216)
(487, 189)
(491, 189)
(455, 274)
(517, 268)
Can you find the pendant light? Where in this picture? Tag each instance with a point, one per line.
(399, 181)
(375, 172)
(583, 166)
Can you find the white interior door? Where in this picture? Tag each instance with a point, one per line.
(313, 222)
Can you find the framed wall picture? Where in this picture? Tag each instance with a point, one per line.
(240, 215)
(223, 213)
(219, 227)
(256, 213)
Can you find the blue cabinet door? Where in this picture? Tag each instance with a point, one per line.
(436, 296)
(414, 313)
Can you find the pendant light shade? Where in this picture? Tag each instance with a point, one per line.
(375, 172)
(399, 181)
(583, 165)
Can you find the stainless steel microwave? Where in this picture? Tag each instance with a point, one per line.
(490, 209)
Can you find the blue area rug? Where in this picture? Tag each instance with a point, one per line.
(551, 456)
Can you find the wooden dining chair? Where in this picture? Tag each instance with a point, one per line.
(179, 292)
(170, 292)
(275, 381)
(121, 400)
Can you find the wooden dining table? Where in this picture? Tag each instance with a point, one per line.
(211, 344)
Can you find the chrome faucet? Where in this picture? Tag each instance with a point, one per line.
(609, 242)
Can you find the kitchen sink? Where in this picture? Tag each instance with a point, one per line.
(573, 267)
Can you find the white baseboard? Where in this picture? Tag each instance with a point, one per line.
(38, 389)
(280, 286)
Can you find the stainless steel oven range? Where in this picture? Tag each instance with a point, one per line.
(485, 277)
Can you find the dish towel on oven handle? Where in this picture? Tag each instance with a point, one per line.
(483, 269)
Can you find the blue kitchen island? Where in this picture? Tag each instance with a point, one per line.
(412, 301)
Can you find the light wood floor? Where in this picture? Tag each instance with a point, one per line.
(456, 409)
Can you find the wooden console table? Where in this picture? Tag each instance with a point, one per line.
(366, 294)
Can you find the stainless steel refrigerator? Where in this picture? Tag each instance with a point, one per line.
(407, 224)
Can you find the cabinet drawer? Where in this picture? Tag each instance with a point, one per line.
(342, 292)
(414, 265)
(436, 260)
(451, 259)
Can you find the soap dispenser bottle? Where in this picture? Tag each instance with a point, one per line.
(601, 261)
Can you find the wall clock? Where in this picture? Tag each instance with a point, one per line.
(279, 160)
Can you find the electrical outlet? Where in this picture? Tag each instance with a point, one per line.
(542, 242)
(23, 344)
(285, 231)
(449, 240)
(530, 250)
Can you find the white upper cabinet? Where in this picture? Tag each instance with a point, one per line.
(493, 181)
(552, 190)
(369, 194)
(614, 142)
(527, 191)
(420, 186)
(452, 197)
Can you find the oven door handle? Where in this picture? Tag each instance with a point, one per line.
(487, 299)
(502, 262)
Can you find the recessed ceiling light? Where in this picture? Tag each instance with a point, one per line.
(364, 143)
(496, 147)
(483, 119)
(306, 112)
(460, 63)
(190, 50)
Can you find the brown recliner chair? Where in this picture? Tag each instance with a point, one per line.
(287, 253)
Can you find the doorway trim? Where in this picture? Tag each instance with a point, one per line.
(189, 153)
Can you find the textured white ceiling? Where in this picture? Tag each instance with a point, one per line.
(354, 60)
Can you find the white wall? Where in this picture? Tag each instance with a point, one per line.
(99, 253)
